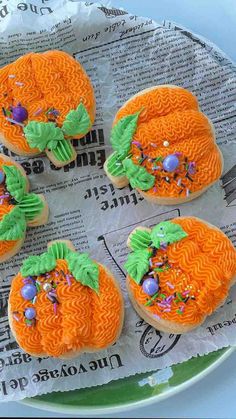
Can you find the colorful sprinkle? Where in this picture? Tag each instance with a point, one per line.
(136, 143)
(38, 112)
(179, 312)
(167, 310)
(68, 279)
(179, 182)
(11, 76)
(16, 317)
(186, 292)
(55, 308)
(162, 305)
(19, 83)
(187, 192)
(153, 144)
(179, 296)
(15, 122)
(170, 285)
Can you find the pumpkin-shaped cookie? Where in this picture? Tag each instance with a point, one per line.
(63, 303)
(46, 100)
(164, 146)
(179, 272)
(18, 208)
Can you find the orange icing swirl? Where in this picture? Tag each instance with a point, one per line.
(52, 79)
(203, 263)
(172, 114)
(82, 319)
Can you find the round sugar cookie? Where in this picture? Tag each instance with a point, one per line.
(164, 146)
(18, 208)
(47, 99)
(62, 303)
(179, 272)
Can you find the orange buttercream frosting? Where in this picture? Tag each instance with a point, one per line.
(170, 122)
(202, 267)
(40, 82)
(81, 319)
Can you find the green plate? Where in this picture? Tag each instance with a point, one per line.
(131, 392)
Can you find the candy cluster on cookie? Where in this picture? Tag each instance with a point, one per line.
(179, 272)
(164, 146)
(18, 208)
(63, 303)
(46, 100)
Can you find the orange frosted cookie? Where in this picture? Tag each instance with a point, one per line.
(63, 303)
(164, 146)
(18, 208)
(179, 272)
(46, 99)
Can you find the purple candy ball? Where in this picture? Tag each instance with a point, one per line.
(30, 313)
(19, 113)
(150, 286)
(28, 291)
(170, 163)
(2, 176)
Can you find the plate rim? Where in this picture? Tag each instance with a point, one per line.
(87, 411)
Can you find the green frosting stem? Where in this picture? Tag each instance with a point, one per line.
(59, 250)
(138, 176)
(114, 165)
(15, 182)
(140, 239)
(31, 205)
(63, 151)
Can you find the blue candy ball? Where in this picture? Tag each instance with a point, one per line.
(170, 163)
(19, 113)
(30, 313)
(150, 286)
(28, 291)
(2, 176)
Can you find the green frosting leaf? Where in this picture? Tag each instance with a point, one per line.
(137, 264)
(13, 225)
(114, 165)
(63, 151)
(59, 250)
(140, 239)
(84, 269)
(43, 135)
(138, 176)
(37, 265)
(167, 233)
(77, 122)
(31, 205)
(15, 182)
(122, 134)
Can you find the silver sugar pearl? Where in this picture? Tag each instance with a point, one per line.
(47, 287)
(166, 143)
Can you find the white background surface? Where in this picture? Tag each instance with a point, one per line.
(214, 396)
